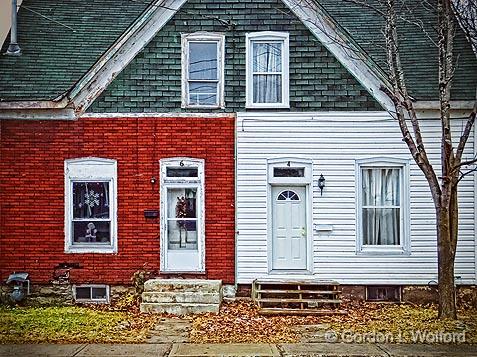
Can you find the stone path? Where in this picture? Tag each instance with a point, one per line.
(170, 330)
(311, 333)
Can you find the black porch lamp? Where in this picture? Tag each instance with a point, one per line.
(321, 184)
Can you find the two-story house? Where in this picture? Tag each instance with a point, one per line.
(228, 140)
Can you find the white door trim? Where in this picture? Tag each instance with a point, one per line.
(306, 182)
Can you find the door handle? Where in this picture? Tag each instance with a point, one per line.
(303, 232)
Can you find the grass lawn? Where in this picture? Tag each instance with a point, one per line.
(72, 324)
(237, 322)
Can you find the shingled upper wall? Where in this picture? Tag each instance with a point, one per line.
(152, 81)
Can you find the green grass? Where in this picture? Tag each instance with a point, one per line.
(70, 325)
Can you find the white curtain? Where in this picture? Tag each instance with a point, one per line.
(381, 206)
(267, 58)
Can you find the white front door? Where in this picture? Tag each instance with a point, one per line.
(289, 240)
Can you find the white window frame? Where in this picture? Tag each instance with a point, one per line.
(377, 163)
(90, 170)
(203, 37)
(267, 36)
(92, 300)
(183, 182)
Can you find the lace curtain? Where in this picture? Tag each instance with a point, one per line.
(381, 206)
(267, 72)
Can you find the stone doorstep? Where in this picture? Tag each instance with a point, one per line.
(178, 308)
(235, 349)
(186, 285)
(181, 297)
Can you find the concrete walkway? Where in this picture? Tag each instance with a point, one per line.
(259, 350)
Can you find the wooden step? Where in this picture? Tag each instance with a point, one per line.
(319, 292)
(280, 311)
(287, 300)
(283, 296)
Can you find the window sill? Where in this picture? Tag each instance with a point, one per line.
(384, 250)
(268, 106)
(99, 250)
(203, 107)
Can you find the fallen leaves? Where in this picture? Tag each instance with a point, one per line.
(240, 322)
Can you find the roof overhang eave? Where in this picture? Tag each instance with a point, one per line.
(435, 105)
(61, 103)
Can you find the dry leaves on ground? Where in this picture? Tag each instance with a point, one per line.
(240, 322)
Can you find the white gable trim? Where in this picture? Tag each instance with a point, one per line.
(349, 55)
(118, 56)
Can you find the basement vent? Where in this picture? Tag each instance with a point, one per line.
(91, 293)
(383, 293)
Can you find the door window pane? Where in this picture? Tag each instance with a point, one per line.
(182, 172)
(288, 172)
(182, 218)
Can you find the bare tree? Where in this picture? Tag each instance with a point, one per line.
(444, 188)
(453, 167)
(466, 13)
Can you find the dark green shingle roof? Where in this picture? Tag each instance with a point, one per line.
(416, 28)
(55, 57)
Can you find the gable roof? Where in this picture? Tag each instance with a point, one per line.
(73, 74)
(419, 55)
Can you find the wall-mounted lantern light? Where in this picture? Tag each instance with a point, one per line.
(321, 184)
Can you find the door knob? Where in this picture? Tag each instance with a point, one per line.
(303, 232)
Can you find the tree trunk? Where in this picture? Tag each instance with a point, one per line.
(446, 257)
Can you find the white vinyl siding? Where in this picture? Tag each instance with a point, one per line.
(334, 141)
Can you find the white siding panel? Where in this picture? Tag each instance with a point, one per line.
(334, 141)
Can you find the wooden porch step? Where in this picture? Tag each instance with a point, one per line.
(287, 300)
(294, 296)
(280, 311)
(319, 292)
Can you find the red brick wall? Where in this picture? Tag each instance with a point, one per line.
(32, 155)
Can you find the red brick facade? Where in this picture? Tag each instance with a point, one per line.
(32, 155)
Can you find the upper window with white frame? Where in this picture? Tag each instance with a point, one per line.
(383, 205)
(267, 68)
(203, 70)
(90, 205)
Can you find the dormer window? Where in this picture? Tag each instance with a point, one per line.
(202, 70)
(267, 70)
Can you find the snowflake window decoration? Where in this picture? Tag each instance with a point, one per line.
(91, 199)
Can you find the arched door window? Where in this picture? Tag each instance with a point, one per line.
(288, 195)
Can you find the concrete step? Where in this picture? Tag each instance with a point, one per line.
(179, 308)
(186, 285)
(181, 297)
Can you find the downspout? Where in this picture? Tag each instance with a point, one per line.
(13, 48)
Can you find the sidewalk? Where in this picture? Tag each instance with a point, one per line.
(259, 350)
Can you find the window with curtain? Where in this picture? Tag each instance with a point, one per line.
(381, 206)
(90, 205)
(267, 69)
(202, 70)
